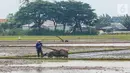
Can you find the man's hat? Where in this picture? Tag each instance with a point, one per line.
(39, 40)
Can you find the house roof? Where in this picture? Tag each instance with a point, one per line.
(115, 26)
(118, 26)
(48, 23)
(3, 20)
(28, 25)
(107, 27)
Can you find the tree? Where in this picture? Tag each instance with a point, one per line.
(76, 13)
(34, 12)
(64, 16)
(83, 15)
(70, 13)
(24, 2)
(4, 27)
(53, 13)
(126, 22)
(11, 21)
(104, 20)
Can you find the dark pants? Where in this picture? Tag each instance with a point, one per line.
(39, 51)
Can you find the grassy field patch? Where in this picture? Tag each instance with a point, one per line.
(74, 37)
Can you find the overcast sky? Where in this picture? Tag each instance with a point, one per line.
(111, 7)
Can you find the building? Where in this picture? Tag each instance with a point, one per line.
(47, 25)
(50, 25)
(27, 26)
(114, 27)
(3, 20)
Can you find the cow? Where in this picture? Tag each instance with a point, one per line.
(57, 53)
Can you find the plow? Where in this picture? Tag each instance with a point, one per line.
(62, 39)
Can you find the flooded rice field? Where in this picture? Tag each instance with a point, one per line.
(80, 66)
(105, 54)
(91, 52)
(65, 66)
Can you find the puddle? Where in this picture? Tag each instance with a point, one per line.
(4, 54)
(7, 54)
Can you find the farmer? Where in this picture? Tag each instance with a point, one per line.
(39, 48)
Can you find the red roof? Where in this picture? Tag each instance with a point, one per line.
(3, 20)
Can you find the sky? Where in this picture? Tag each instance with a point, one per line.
(111, 7)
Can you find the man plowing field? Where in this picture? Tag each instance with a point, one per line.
(53, 53)
(39, 48)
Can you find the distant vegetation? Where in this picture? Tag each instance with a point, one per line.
(68, 13)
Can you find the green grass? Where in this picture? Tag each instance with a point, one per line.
(46, 38)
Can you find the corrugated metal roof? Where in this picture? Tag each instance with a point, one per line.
(115, 26)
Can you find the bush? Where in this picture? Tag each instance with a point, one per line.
(17, 31)
(44, 32)
(20, 31)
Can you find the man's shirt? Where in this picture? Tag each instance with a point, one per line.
(38, 45)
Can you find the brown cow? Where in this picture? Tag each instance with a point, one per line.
(57, 53)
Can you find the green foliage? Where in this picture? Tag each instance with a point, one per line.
(3, 28)
(126, 22)
(34, 12)
(17, 31)
(70, 13)
(76, 13)
(103, 21)
(44, 32)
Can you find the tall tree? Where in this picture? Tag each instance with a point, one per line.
(70, 12)
(104, 20)
(4, 27)
(35, 12)
(24, 2)
(126, 21)
(11, 21)
(53, 13)
(64, 16)
(75, 13)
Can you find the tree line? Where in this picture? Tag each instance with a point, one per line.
(106, 20)
(68, 13)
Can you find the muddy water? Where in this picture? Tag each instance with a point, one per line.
(77, 67)
(20, 51)
(106, 54)
(69, 71)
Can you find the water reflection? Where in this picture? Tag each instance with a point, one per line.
(105, 54)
